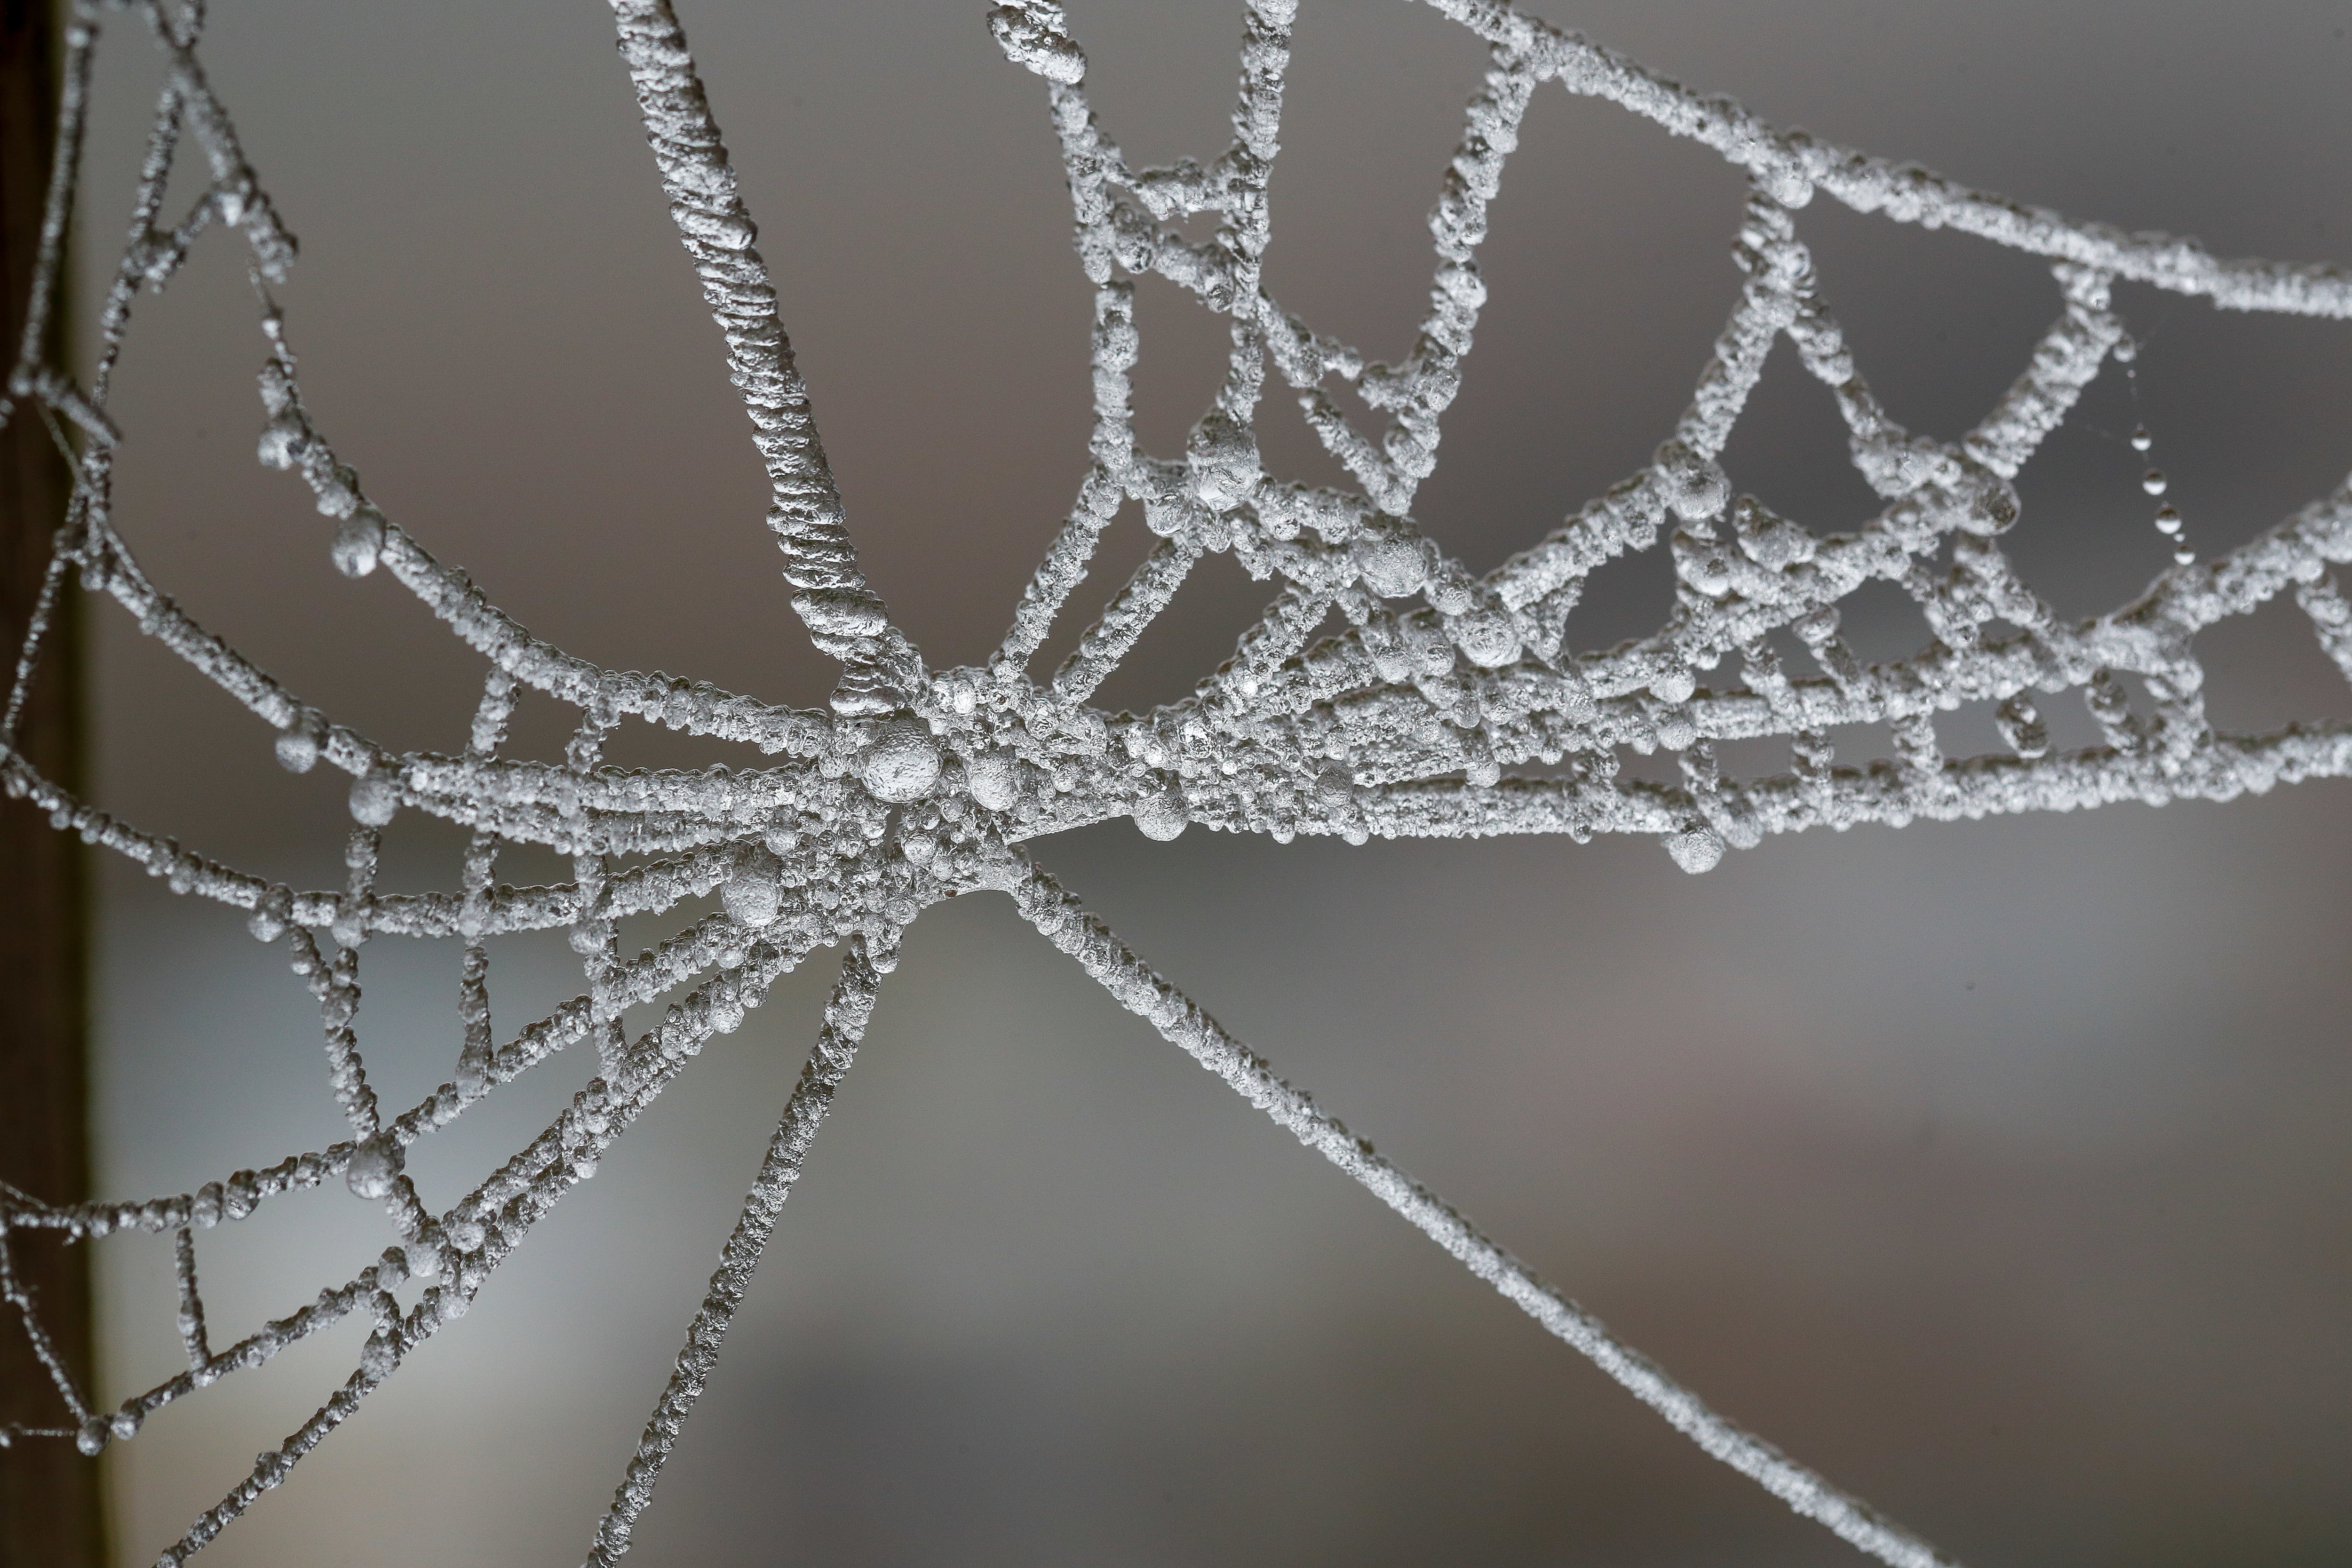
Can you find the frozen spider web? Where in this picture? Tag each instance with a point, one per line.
(917, 785)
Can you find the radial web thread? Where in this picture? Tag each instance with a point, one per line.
(915, 785)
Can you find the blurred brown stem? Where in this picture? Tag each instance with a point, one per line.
(48, 1492)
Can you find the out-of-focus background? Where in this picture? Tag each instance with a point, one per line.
(1999, 1170)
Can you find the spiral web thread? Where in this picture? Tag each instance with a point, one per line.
(915, 786)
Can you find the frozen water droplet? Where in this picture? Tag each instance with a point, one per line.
(1222, 456)
(1992, 511)
(1169, 515)
(1704, 567)
(93, 1434)
(2168, 519)
(297, 747)
(2022, 727)
(1695, 848)
(1769, 539)
(903, 762)
(1488, 636)
(1674, 684)
(2140, 440)
(373, 1165)
(1392, 567)
(996, 780)
(2153, 481)
(271, 916)
(1695, 487)
(375, 799)
(1786, 183)
(2184, 556)
(1032, 36)
(753, 896)
(359, 540)
(281, 439)
(1160, 815)
(1452, 592)
(2126, 349)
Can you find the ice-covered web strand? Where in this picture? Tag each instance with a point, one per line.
(863, 824)
(845, 1018)
(474, 1058)
(845, 617)
(484, 1227)
(1777, 577)
(1136, 987)
(26, 1307)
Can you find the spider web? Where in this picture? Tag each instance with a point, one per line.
(917, 785)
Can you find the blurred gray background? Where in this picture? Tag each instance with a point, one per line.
(1998, 1170)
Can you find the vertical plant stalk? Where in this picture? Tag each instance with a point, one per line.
(49, 1512)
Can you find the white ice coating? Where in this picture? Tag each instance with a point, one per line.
(1416, 719)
